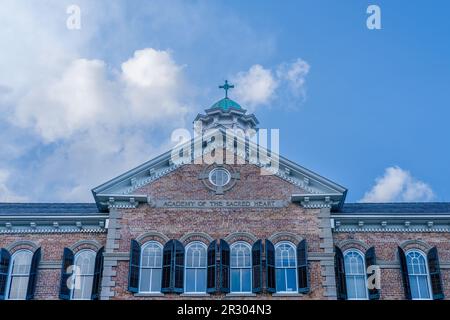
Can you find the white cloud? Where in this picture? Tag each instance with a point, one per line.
(96, 121)
(294, 74)
(154, 86)
(256, 86)
(78, 109)
(6, 195)
(90, 159)
(84, 97)
(151, 69)
(260, 86)
(398, 185)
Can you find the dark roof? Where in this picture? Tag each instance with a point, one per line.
(48, 209)
(348, 208)
(399, 207)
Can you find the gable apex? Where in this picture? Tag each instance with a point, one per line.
(123, 186)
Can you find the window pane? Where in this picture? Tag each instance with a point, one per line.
(83, 288)
(240, 256)
(87, 287)
(86, 264)
(83, 273)
(286, 271)
(422, 267)
(156, 280)
(416, 263)
(196, 258)
(196, 255)
(246, 280)
(356, 287)
(201, 280)
(355, 275)
(354, 263)
(145, 280)
(418, 275)
(291, 280)
(360, 287)
(235, 280)
(414, 287)
(21, 263)
(285, 256)
(423, 287)
(351, 287)
(151, 256)
(281, 280)
(18, 289)
(190, 280)
(219, 177)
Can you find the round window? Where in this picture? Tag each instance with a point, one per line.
(219, 177)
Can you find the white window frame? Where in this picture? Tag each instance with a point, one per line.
(235, 244)
(363, 256)
(161, 247)
(11, 276)
(196, 268)
(424, 256)
(77, 255)
(294, 247)
(225, 171)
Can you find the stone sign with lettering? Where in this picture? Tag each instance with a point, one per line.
(210, 204)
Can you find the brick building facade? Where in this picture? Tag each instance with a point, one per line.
(179, 228)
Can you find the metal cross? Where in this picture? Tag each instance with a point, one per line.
(226, 87)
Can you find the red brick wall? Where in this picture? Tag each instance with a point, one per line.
(386, 244)
(52, 246)
(218, 223)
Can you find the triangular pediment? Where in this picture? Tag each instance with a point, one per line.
(123, 191)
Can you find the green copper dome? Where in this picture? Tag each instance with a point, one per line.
(226, 104)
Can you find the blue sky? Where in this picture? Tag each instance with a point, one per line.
(370, 111)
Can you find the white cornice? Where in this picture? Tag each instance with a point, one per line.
(392, 216)
(29, 230)
(345, 229)
(391, 223)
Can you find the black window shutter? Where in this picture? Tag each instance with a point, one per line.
(435, 274)
(405, 275)
(5, 258)
(33, 274)
(341, 285)
(270, 267)
(257, 266)
(302, 267)
(67, 263)
(98, 270)
(135, 266)
(371, 260)
(224, 253)
(178, 267)
(212, 267)
(168, 257)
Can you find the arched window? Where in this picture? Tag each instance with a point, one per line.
(241, 267)
(151, 267)
(355, 275)
(285, 267)
(195, 277)
(83, 274)
(19, 273)
(419, 278)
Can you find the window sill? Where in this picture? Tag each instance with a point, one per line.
(150, 294)
(195, 295)
(237, 294)
(287, 294)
